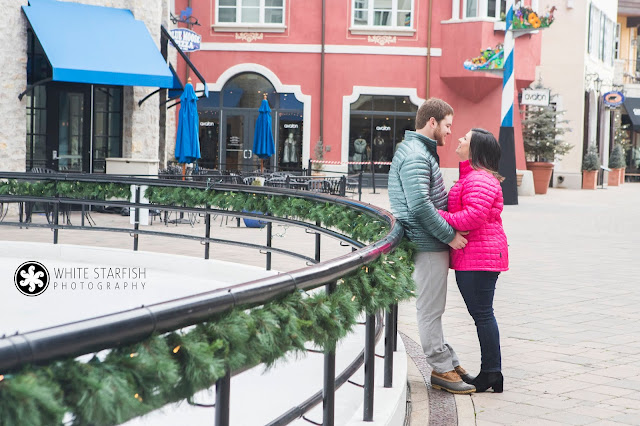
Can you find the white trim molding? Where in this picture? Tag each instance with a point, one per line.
(411, 92)
(280, 88)
(244, 28)
(402, 32)
(342, 49)
(381, 50)
(261, 47)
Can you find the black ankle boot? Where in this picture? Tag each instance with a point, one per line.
(486, 380)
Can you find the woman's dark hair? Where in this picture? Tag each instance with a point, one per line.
(484, 152)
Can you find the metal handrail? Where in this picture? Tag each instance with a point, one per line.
(104, 332)
(95, 334)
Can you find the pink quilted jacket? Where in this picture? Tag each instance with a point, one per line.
(475, 204)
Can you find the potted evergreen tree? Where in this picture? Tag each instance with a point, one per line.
(542, 130)
(590, 167)
(622, 137)
(616, 164)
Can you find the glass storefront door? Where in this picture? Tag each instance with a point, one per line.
(237, 149)
(68, 148)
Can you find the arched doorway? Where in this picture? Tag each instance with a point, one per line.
(227, 125)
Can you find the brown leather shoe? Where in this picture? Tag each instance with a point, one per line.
(463, 374)
(450, 382)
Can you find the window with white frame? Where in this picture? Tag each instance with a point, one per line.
(483, 8)
(250, 12)
(602, 36)
(391, 14)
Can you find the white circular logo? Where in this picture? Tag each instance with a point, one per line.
(31, 278)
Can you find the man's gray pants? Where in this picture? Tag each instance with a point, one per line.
(430, 275)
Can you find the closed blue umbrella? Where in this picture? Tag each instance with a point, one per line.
(263, 145)
(187, 139)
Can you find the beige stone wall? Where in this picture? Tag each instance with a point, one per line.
(141, 123)
(13, 80)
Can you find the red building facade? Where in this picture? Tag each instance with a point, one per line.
(354, 84)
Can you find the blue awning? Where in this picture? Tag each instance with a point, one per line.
(97, 45)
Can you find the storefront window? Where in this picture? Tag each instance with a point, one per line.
(36, 128)
(209, 138)
(107, 125)
(290, 141)
(375, 134)
(247, 90)
(227, 125)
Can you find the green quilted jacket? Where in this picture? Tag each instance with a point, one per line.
(416, 192)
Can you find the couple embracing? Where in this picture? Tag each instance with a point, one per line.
(462, 231)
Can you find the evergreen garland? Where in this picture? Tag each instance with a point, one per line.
(136, 379)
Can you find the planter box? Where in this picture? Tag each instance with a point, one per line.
(589, 179)
(614, 177)
(541, 175)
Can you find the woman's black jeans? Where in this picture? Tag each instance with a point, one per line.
(478, 288)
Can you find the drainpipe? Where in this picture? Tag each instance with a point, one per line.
(321, 138)
(429, 50)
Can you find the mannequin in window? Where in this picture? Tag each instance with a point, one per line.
(380, 151)
(290, 154)
(360, 152)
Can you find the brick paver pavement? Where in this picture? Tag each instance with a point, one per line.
(567, 309)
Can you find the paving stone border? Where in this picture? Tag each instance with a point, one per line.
(442, 405)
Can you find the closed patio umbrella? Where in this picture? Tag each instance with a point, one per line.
(187, 139)
(263, 145)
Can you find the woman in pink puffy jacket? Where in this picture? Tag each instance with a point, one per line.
(475, 204)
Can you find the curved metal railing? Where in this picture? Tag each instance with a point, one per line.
(120, 328)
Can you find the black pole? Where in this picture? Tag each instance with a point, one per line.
(223, 398)
(369, 363)
(207, 232)
(373, 175)
(395, 326)
(507, 166)
(269, 236)
(318, 242)
(329, 388)
(55, 221)
(343, 186)
(136, 220)
(389, 328)
(360, 186)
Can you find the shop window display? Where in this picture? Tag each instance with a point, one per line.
(209, 139)
(289, 142)
(376, 133)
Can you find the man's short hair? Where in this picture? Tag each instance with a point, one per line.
(432, 107)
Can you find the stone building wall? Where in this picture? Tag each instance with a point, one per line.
(13, 81)
(141, 124)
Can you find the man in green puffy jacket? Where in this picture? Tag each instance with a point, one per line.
(416, 192)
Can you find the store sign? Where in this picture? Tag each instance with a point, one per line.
(207, 123)
(613, 99)
(538, 97)
(188, 40)
(383, 128)
(291, 126)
